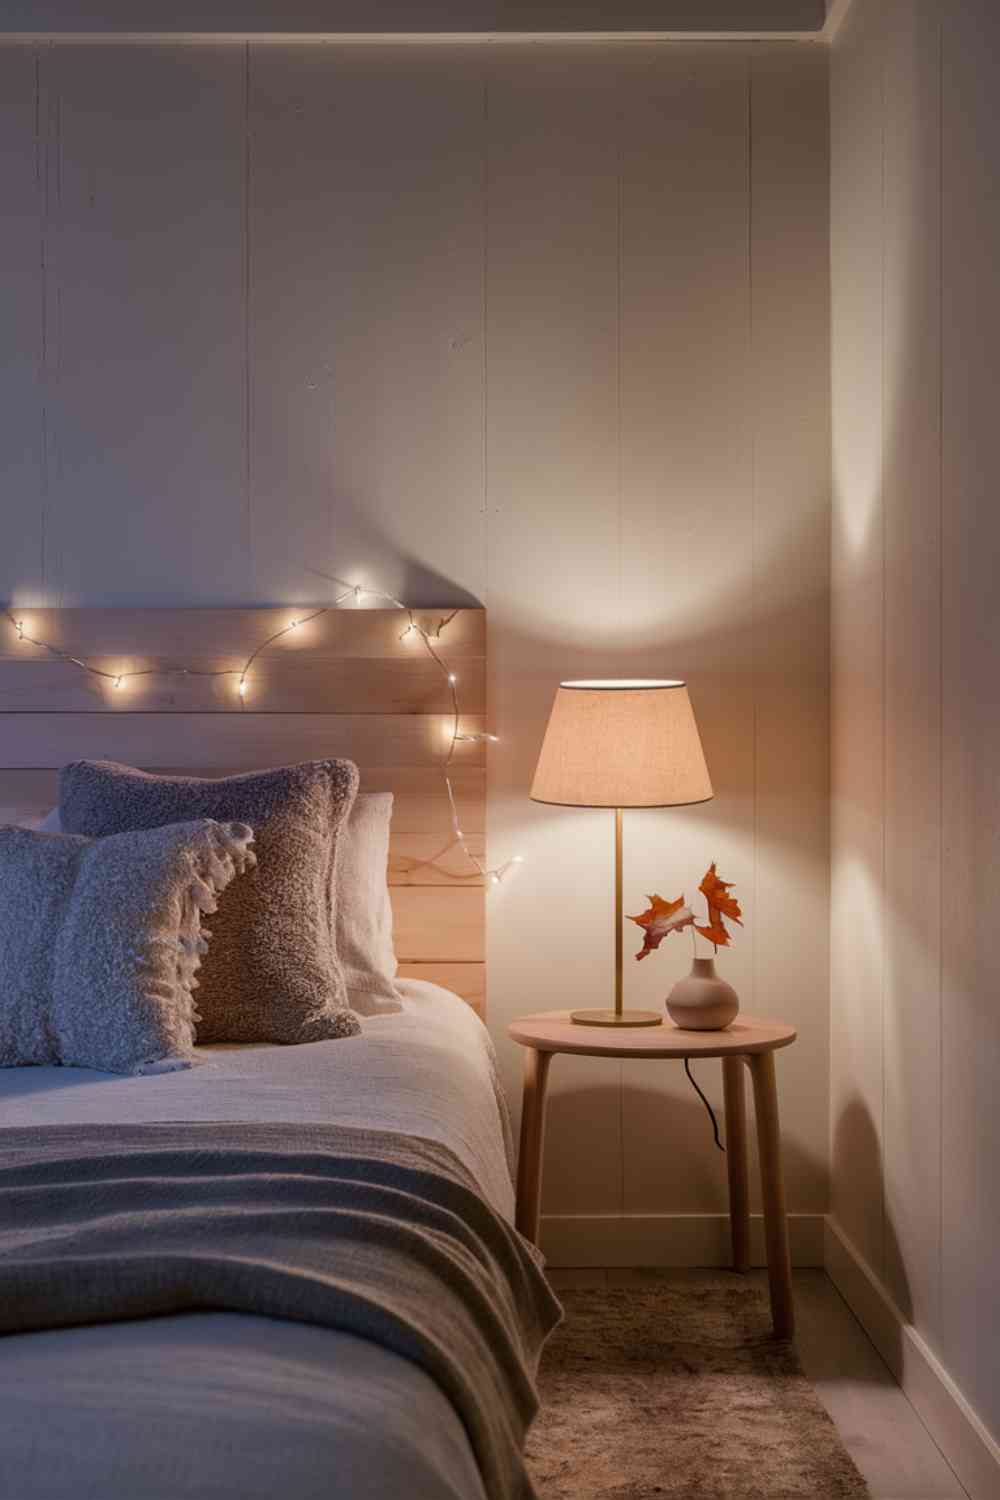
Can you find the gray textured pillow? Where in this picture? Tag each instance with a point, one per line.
(363, 914)
(100, 940)
(272, 973)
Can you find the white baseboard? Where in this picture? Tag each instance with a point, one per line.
(944, 1411)
(667, 1239)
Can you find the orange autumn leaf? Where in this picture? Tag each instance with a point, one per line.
(716, 934)
(716, 893)
(659, 919)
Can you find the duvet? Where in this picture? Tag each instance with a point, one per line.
(321, 1294)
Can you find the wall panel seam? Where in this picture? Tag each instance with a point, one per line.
(941, 679)
(752, 430)
(884, 705)
(247, 167)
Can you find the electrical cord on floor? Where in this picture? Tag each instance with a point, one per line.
(711, 1111)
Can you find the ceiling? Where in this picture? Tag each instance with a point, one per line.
(412, 17)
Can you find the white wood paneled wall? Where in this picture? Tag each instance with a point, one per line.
(539, 326)
(916, 711)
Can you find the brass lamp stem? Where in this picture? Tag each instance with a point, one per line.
(619, 1016)
(619, 911)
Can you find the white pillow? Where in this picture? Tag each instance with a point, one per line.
(364, 911)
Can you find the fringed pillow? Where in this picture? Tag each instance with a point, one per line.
(100, 940)
(272, 973)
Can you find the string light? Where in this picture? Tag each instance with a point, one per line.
(453, 732)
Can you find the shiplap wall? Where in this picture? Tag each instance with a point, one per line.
(543, 327)
(916, 722)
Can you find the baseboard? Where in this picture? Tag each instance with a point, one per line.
(667, 1239)
(958, 1431)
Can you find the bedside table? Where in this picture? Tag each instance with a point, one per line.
(748, 1042)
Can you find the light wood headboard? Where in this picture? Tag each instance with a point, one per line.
(342, 684)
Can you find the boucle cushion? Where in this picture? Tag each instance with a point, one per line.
(364, 913)
(272, 973)
(100, 940)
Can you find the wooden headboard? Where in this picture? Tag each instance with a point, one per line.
(348, 683)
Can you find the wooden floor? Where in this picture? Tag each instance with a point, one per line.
(879, 1427)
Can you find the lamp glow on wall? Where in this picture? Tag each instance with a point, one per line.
(618, 743)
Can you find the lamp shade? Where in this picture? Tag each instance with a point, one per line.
(621, 743)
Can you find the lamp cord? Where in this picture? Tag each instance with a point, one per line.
(701, 1096)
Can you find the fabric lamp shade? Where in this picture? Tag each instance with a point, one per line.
(622, 743)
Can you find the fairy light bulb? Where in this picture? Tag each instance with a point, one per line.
(117, 682)
(452, 678)
(19, 627)
(242, 687)
(358, 591)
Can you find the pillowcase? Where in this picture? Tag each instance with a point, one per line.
(363, 914)
(100, 940)
(271, 974)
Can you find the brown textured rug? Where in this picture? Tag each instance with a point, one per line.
(678, 1388)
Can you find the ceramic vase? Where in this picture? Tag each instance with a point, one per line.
(702, 1001)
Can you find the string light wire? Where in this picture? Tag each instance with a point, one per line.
(455, 735)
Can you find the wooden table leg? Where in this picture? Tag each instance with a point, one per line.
(529, 1162)
(736, 1160)
(779, 1268)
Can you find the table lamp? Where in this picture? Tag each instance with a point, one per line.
(621, 743)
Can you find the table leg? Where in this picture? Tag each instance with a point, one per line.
(779, 1268)
(736, 1160)
(529, 1162)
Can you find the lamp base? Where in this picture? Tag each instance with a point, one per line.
(616, 1018)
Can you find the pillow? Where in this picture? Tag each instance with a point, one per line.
(363, 915)
(363, 912)
(271, 974)
(100, 940)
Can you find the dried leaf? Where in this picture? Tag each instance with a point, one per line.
(716, 934)
(660, 919)
(716, 893)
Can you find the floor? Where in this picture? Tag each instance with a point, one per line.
(879, 1427)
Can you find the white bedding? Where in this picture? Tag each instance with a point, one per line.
(218, 1404)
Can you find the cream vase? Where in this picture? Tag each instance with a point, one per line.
(702, 1001)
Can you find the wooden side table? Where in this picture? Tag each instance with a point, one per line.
(747, 1042)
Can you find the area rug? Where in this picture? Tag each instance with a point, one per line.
(678, 1388)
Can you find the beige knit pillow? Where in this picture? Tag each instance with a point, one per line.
(100, 940)
(271, 973)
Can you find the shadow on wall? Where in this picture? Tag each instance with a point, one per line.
(856, 1151)
(668, 1152)
(379, 561)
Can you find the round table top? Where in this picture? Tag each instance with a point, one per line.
(553, 1031)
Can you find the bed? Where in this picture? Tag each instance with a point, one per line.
(209, 1403)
